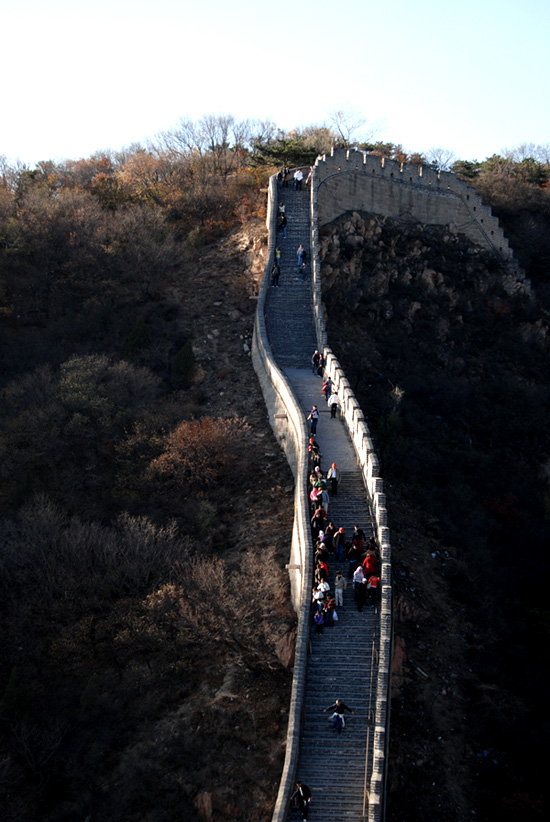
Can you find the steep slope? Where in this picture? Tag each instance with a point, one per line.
(448, 356)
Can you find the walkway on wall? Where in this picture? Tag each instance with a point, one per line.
(341, 663)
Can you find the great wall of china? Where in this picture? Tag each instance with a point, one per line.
(350, 181)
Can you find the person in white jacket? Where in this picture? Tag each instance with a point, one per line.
(333, 474)
(333, 403)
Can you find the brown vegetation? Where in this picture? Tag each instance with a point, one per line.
(145, 510)
(143, 601)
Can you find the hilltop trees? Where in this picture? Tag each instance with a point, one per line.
(517, 186)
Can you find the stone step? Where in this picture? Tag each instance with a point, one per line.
(339, 663)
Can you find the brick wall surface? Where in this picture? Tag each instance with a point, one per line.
(357, 181)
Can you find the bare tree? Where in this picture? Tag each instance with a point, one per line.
(239, 610)
(529, 151)
(38, 743)
(11, 173)
(262, 132)
(350, 126)
(440, 158)
(181, 141)
(199, 454)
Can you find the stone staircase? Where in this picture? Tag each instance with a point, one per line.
(339, 666)
(341, 663)
(289, 321)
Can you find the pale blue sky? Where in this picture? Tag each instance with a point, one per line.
(80, 76)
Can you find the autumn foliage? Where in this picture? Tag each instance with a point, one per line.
(202, 453)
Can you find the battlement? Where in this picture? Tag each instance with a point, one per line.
(351, 180)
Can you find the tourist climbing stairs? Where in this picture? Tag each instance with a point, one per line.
(289, 320)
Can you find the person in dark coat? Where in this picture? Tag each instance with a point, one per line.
(361, 594)
(314, 452)
(330, 531)
(303, 794)
(315, 361)
(338, 710)
(339, 542)
(358, 536)
(334, 475)
(354, 558)
(313, 419)
(321, 554)
(318, 521)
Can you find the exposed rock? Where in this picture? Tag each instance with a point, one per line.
(203, 804)
(285, 647)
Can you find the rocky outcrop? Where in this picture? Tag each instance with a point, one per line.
(366, 253)
(413, 276)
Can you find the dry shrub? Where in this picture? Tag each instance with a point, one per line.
(68, 565)
(241, 611)
(199, 454)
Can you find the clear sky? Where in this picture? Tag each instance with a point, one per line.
(80, 76)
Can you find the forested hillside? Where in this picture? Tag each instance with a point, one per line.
(449, 360)
(145, 508)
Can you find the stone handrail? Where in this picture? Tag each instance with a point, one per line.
(290, 427)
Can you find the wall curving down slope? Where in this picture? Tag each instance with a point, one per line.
(288, 422)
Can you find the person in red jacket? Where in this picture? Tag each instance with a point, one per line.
(373, 589)
(321, 572)
(370, 564)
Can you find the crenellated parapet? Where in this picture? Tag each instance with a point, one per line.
(351, 180)
(367, 459)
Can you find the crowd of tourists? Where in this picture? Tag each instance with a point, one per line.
(356, 557)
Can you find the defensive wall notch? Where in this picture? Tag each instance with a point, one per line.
(357, 181)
